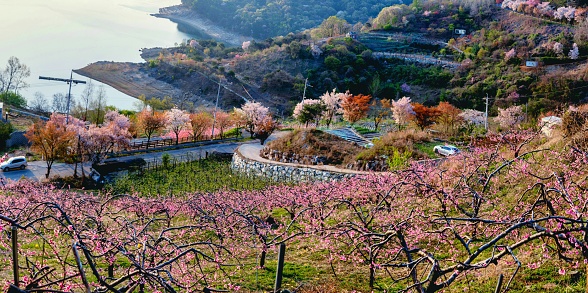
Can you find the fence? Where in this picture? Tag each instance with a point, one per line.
(158, 142)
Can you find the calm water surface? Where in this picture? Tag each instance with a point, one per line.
(54, 37)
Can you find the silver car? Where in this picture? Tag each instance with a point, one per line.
(19, 162)
(446, 150)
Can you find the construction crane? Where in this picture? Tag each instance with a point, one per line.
(69, 81)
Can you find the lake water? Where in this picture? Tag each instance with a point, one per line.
(54, 37)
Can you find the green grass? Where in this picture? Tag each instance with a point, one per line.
(427, 148)
(207, 175)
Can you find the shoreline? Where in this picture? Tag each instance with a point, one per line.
(182, 15)
(128, 78)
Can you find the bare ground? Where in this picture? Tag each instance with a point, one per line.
(128, 78)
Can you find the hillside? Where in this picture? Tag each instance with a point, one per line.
(263, 19)
(419, 57)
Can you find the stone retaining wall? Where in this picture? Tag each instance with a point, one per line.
(283, 172)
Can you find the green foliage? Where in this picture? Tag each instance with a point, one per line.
(206, 175)
(263, 19)
(332, 62)
(399, 160)
(13, 99)
(165, 159)
(311, 113)
(153, 63)
(5, 130)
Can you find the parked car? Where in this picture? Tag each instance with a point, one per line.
(446, 150)
(19, 162)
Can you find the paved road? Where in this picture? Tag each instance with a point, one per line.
(36, 170)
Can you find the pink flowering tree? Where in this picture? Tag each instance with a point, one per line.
(253, 114)
(177, 120)
(510, 117)
(473, 117)
(402, 111)
(510, 54)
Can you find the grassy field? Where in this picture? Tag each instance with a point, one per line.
(206, 175)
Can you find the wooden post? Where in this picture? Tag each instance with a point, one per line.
(14, 236)
(280, 268)
(499, 285)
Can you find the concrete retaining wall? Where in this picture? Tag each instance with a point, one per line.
(284, 172)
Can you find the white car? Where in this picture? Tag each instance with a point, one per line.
(19, 162)
(446, 150)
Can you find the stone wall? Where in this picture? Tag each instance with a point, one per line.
(283, 172)
(17, 139)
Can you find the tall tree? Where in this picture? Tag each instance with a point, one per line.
(379, 110)
(423, 115)
(253, 112)
(51, 139)
(12, 78)
(87, 99)
(39, 103)
(448, 116)
(265, 127)
(150, 122)
(355, 107)
(223, 122)
(177, 120)
(59, 103)
(200, 121)
(332, 101)
(402, 111)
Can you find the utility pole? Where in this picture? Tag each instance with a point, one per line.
(486, 115)
(69, 81)
(215, 106)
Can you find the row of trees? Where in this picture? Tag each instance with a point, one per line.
(77, 140)
(419, 230)
(352, 108)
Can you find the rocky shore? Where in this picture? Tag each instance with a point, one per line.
(183, 15)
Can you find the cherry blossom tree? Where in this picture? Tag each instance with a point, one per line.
(473, 117)
(177, 120)
(402, 111)
(254, 113)
(265, 127)
(332, 101)
(510, 54)
(113, 135)
(510, 117)
(558, 48)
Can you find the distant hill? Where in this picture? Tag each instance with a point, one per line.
(263, 19)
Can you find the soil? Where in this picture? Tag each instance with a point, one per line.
(129, 78)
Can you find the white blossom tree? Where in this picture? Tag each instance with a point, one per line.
(510, 116)
(473, 117)
(574, 52)
(402, 111)
(254, 113)
(332, 101)
(177, 120)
